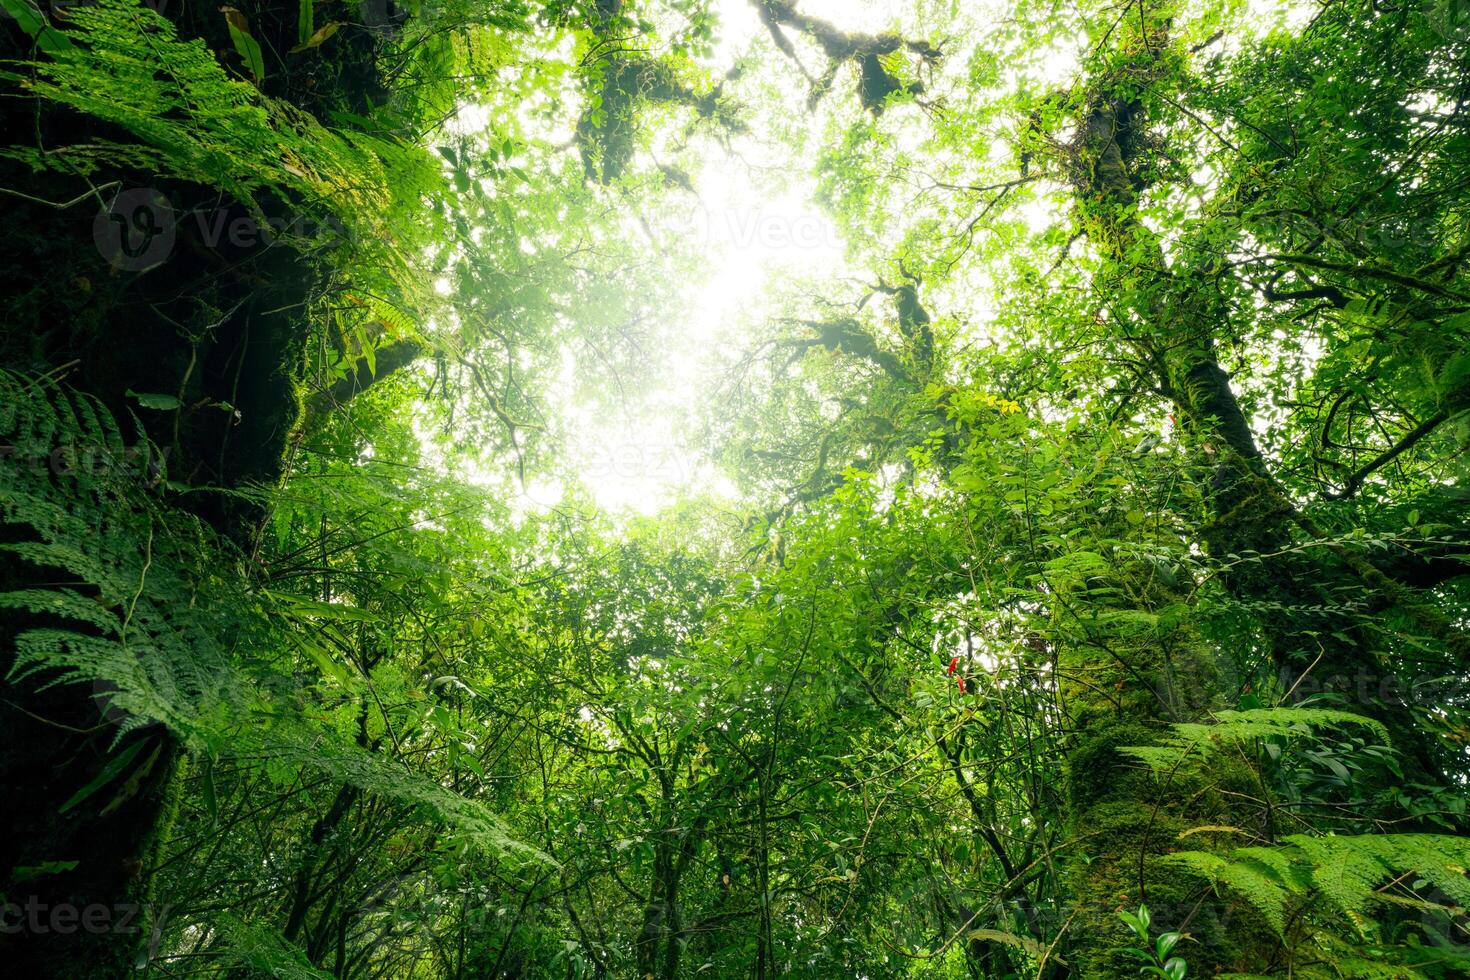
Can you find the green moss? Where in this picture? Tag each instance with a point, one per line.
(1120, 689)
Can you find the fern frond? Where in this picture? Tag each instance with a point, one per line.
(1200, 741)
(1343, 874)
(296, 748)
(134, 617)
(195, 123)
(1348, 870)
(262, 951)
(157, 624)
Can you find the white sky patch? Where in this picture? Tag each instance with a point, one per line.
(749, 224)
(738, 23)
(1292, 15)
(469, 118)
(748, 229)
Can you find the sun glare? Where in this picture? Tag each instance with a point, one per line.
(748, 230)
(749, 224)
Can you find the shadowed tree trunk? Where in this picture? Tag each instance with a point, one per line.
(1171, 313)
(186, 312)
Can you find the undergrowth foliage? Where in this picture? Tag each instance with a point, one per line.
(1306, 882)
(145, 609)
(1349, 874)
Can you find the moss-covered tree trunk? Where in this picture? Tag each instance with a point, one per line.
(1171, 313)
(124, 283)
(1121, 685)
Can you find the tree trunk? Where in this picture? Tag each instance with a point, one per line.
(1180, 317)
(212, 323)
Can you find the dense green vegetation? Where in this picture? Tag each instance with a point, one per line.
(1067, 571)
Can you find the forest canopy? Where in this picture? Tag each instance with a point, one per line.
(735, 488)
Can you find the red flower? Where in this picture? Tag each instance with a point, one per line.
(953, 663)
(960, 681)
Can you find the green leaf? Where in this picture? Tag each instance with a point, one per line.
(305, 20)
(303, 606)
(245, 44)
(31, 872)
(1008, 938)
(109, 772)
(34, 23)
(324, 660)
(318, 37)
(209, 793)
(164, 403)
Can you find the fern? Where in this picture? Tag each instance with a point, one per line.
(1343, 874)
(196, 123)
(1348, 870)
(152, 619)
(1200, 741)
(262, 950)
(1329, 957)
(1257, 879)
(299, 749)
(1319, 889)
(143, 612)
